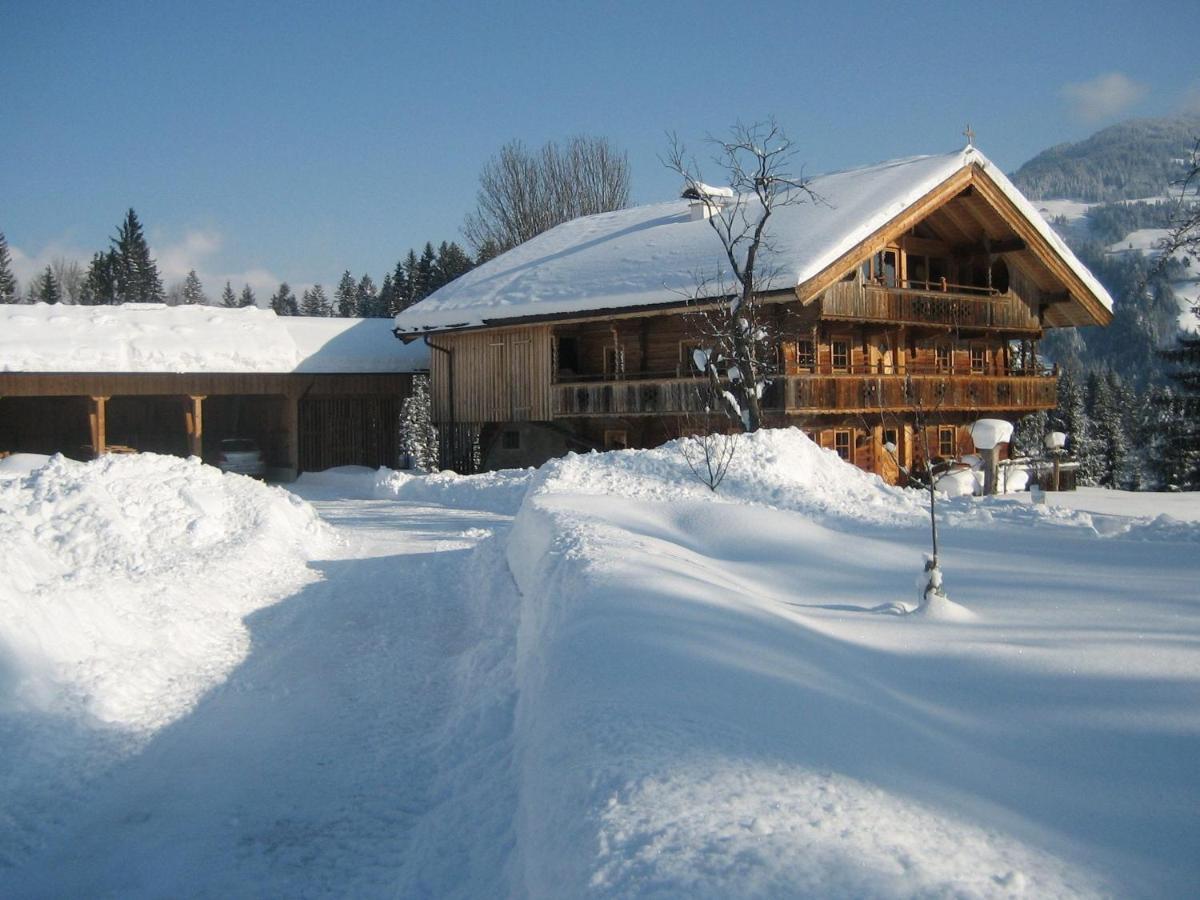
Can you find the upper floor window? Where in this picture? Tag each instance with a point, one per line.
(978, 360)
(841, 355)
(942, 357)
(881, 269)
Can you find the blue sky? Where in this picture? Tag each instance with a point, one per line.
(268, 141)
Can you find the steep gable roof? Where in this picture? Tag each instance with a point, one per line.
(657, 254)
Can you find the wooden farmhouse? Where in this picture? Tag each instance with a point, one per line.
(923, 282)
(312, 393)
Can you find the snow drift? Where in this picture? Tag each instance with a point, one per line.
(711, 704)
(123, 585)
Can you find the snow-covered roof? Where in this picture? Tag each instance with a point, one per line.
(655, 254)
(151, 337)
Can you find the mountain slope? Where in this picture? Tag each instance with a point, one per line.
(1126, 161)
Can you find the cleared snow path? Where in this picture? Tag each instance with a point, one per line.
(322, 766)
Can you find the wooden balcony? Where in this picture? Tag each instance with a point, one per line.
(911, 306)
(810, 394)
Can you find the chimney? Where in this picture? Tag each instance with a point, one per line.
(706, 199)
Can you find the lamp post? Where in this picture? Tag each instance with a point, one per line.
(988, 435)
(1055, 443)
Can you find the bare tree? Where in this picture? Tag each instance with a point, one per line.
(523, 193)
(921, 408)
(737, 344)
(70, 275)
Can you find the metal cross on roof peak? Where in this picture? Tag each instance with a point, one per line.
(970, 136)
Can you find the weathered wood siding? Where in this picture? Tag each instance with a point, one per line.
(499, 375)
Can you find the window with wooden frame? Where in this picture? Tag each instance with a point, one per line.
(806, 356)
(942, 357)
(841, 355)
(616, 439)
(946, 443)
(510, 439)
(978, 360)
(841, 444)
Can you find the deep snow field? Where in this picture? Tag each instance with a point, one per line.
(594, 679)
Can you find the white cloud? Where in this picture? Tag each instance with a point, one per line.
(1102, 97)
(175, 260)
(28, 265)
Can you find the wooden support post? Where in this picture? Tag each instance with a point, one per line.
(97, 426)
(291, 436)
(194, 419)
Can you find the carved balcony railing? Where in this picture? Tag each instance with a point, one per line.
(812, 394)
(911, 306)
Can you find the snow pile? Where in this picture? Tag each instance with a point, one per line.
(778, 468)
(123, 582)
(152, 337)
(711, 702)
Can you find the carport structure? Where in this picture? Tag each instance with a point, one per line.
(313, 393)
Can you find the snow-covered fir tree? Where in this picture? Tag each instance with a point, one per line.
(228, 297)
(193, 290)
(247, 297)
(1070, 417)
(345, 297)
(283, 301)
(418, 437)
(1107, 427)
(9, 289)
(315, 302)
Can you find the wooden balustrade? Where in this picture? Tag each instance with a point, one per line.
(813, 394)
(847, 300)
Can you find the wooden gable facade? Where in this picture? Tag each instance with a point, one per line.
(942, 306)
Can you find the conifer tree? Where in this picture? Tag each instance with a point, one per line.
(247, 297)
(412, 280)
(100, 283)
(418, 436)
(366, 297)
(193, 290)
(386, 299)
(9, 292)
(400, 291)
(47, 290)
(452, 261)
(137, 279)
(228, 297)
(345, 297)
(1070, 417)
(425, 273)
(284, 302)
(1181, 429)
(315, 302)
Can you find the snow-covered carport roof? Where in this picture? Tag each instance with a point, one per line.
(653, 257)
(154, 338)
